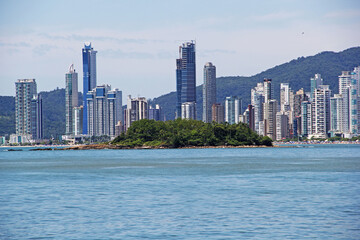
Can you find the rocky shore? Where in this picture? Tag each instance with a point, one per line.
(111, 146)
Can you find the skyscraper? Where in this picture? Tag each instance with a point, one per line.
(306, 118)
(89, 78)
(137, 109)
(321, 112)
(217, 113)
(209, 90)
(336, 114)
(268, 90)
(315, 83)
(270, 110)
(104, 110)
(36, 117)
(28, 110)
(71, 98)
(257, 101)
(233, 106)
(188, 110)
(77, 120)
(299, 97)
(282, 126)
(185, 76)
(155, 113)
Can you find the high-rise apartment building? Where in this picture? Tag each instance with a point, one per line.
(104, 110)
(217, 113)
(282, 126)
(71, 98)
(299, 97)
(321, 112)
(188, 110)
(155, 113)
(137, 109)
(306, 118)
(257, 101)
(114, 108)
(270, 110)
(209, 91)
(287, 105)
(315, 83)
(284, 97)
(28, 110)
(233, 106)
(185, 76)
(336, 114)
(248, 117)
(89, 79)
(36, 117)
(77, 120)
(268, 90)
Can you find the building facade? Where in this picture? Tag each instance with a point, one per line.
(77, 120)
(137, 109)
(89, 79)
(209, 91)
(188, 110)
(270, 110)
(321, 112)
(104, 110)
(315, 83)
(28, 110)
(282, 126)
(71, 98)
(233, 106)
(185, 76)
(217, 113)
(155, 113)
(257, 101)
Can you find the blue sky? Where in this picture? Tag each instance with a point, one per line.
(137, 41)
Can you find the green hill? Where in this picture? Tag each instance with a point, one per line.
(53, 113)
(296, 72)
(7, 115)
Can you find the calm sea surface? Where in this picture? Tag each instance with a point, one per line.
(271, 193)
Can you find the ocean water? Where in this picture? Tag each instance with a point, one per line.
(310, 192)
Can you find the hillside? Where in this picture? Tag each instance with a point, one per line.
(53, 113)
(296, 72)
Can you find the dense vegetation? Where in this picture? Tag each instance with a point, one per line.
(296, 72)
(7, 115)
(184, 133)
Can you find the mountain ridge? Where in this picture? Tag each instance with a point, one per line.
(328, 63)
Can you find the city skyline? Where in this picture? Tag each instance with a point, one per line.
(275, 33)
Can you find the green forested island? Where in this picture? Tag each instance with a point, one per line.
(188, 133)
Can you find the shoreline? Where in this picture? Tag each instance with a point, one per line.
(110, 146)
(116, 147)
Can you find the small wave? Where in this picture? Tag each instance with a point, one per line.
(126, 167)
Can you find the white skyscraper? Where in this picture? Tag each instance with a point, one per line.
(71, 98)
(321, 112)
(257, 101)
(232, 109)
(104, 110)
(137, 109)
(188, 110)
